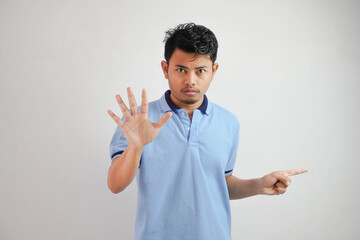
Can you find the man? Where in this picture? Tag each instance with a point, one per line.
(182, 149)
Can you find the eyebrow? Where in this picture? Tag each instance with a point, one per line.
(178, 65)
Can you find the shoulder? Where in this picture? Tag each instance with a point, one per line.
(223, 114)
(155, 106)
(156, 109)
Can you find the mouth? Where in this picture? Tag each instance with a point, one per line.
(190, 91)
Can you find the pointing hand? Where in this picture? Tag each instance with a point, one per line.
(277, 182)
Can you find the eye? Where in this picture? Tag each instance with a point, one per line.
(201, 71)
(181, 70)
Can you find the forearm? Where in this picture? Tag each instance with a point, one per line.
(123, 169)
(239, 188)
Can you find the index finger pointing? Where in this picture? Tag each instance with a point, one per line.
(295, 171)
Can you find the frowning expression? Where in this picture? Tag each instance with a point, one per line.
(189, 77)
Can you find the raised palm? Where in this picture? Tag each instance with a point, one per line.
(137, 127)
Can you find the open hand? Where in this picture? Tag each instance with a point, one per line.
(137, 127)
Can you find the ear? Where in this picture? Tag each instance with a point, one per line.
(214, 69)
(164, 66)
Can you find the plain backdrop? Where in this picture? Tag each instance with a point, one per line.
(289, 70)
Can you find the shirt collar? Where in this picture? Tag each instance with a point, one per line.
(203, 107)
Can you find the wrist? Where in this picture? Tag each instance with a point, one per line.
(259, 186)
(135, 147)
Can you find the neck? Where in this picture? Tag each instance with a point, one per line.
(189, 108)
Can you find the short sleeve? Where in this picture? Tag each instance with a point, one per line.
(118, 143)
(233, 151)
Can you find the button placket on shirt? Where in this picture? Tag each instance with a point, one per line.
(193, 138)
(185, 121)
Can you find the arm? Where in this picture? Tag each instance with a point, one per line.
(271, 184)
(123, 169)
(138, 131)
(239, 188)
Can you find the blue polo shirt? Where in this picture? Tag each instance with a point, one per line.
(182, 190)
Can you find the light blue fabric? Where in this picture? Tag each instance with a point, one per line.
(182, 191)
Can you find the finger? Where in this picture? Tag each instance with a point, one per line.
(279, 186)
(280, 176)
(144, 102)
(163, 120)
(115, 118)
(132, 101)
(123, 107)
(280, 190)
(295, 171)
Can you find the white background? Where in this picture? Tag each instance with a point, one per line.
(289, 70)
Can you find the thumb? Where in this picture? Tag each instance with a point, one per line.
(163, 120)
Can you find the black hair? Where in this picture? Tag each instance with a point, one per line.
(191, 38)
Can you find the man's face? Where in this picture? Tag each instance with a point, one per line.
(189, 77)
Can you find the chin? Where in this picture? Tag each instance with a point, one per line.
(190, 101)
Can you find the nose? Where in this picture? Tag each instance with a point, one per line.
(190, 79)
